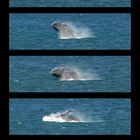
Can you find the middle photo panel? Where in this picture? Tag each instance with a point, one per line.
(70, 74)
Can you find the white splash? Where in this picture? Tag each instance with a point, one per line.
(83, 74)
(16, 80)
(79, 31)
(55, 117)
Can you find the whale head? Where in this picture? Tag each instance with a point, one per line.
(56, 72)
(65, 30)
(64, 73)
(56, 25)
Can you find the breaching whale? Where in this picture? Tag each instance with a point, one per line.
(64, 29)
(67, 116)
(65, 73)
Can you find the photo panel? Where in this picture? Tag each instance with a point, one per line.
(70, 116)
(70, 3)
(70, 31)
(70, 74)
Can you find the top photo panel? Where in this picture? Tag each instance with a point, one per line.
(70, 3)
(65, 31)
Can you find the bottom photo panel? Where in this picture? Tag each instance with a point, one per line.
(70, 116)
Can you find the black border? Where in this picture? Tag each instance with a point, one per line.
(4, 70)
(109, 137)
(134, 68)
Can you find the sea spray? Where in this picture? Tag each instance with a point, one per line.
(88, 117)
(80, 31)
(84, 74)
(83, 117)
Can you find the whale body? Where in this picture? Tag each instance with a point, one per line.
(67, 116)
(65, 73)
(64, 29)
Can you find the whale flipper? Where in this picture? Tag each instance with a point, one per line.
(67, 116)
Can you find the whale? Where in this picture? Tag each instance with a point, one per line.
(67, 116)
(65, 73)
(64, 29)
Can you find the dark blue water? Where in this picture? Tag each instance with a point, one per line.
(70, 3)
(98, 73)
(34, 31)
(107, 116)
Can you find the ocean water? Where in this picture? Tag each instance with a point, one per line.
(70, 3)
(100, 116)
(96, 31)
(97, 74)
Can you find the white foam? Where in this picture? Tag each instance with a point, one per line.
(16, 80)
(55, 117)
(73, 79)
(19, 122)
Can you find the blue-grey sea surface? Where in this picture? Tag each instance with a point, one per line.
(101, 116)
(98, 74)
(106, 31)
(70, 3)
